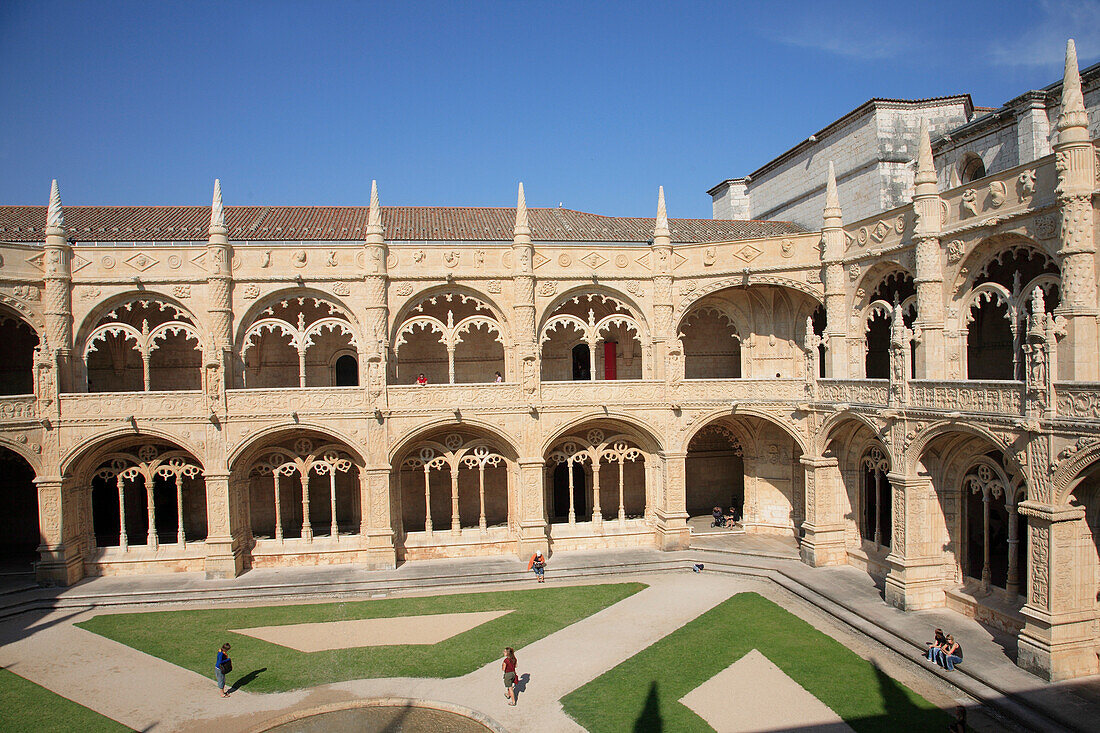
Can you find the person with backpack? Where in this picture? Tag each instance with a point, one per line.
(222, 665)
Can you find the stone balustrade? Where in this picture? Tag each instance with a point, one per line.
(1078, 400)
(1004, 398)
(99, 406)
(18, 408)
(854, 391)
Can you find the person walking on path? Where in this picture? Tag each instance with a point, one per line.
(538, 564)
(509, 667)
(222, 664)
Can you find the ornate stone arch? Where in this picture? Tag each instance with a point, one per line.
(915, 450)
(181, 312)
(591, 291)
(437, 425)
(1075, 468)
(837, 420)
(18, 309)
(334, 303)
(975, 264)
(74, 460)
(24, 451)
(648, 433)
(687, 432)
(465, 294)
(742, 281)
(255, 441)
(875, 276)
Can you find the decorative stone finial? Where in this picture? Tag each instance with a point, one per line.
(1037, 323)
(1073, 113)
(897, 325)
(926, 169)
(55, 217)
(522, 226)
(661, 227)
(831, 214)
(374, 218)
(217, 211)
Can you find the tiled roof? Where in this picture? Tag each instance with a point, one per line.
(403, 223)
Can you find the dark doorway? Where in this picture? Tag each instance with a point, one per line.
(878, 348)
(561, 492)
(989, 343)
(19, 532)
(17, 368)
(347, 371)
(582, 366)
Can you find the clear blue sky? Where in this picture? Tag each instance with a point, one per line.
(590, 104)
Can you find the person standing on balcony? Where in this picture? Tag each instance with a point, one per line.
(422, 380)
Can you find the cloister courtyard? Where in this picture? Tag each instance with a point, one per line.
(614, 641)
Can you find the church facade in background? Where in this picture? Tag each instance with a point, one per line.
(915, 393)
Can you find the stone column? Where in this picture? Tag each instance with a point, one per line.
(915, 577)
(1058, 641)
(671, 516)
(533, 528)
(60, 561)
(376, 293)
(832, 250)
(1075, 162)
(823, 543)
(58, 301)
(931, 358)
(224, 551)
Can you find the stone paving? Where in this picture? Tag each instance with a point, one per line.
(149, 694)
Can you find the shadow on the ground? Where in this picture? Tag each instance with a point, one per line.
(246, 679)
(649, 720)
(521, 682)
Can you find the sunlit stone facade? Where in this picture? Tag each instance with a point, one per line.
(916, 393)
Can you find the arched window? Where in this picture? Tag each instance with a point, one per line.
(17, 368)
(346, 371)
(971, 168)
(877, 494)
(144, 344)
(995, 532)
(574, 337)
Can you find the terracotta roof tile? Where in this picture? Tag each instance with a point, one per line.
(348, 223)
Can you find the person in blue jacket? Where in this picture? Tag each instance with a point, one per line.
(222, 664)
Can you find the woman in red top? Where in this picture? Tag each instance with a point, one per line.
(421, 380)
(509, 667)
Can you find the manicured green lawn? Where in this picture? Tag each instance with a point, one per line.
(642, 693)
(191, 639)
(30, 707)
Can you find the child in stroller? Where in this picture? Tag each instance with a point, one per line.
(719, 517)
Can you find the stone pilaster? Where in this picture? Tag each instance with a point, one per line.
(1058, 641)
(58, 301)
(832, 250)
(523, 302)
(673, 532)
(219, 303)
(533, 528)
(377, 517)
(931, 358)
(1074, 159)
(225, 553)
(60, 561)
(823, 542)
(915, 577)
(661, 263)
(376, 323)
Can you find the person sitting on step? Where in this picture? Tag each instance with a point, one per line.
(719, 518)
(951, 655)
(935, 646)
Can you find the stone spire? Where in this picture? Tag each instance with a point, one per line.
(831, 214)
(522, 228)
(217, 211)
(925, 179)
(55, 217)
(374, 219)
(1073, 121)
(660, 228)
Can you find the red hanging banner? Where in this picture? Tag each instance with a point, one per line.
(609, 360)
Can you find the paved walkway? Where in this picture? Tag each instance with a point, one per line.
(146, 693)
